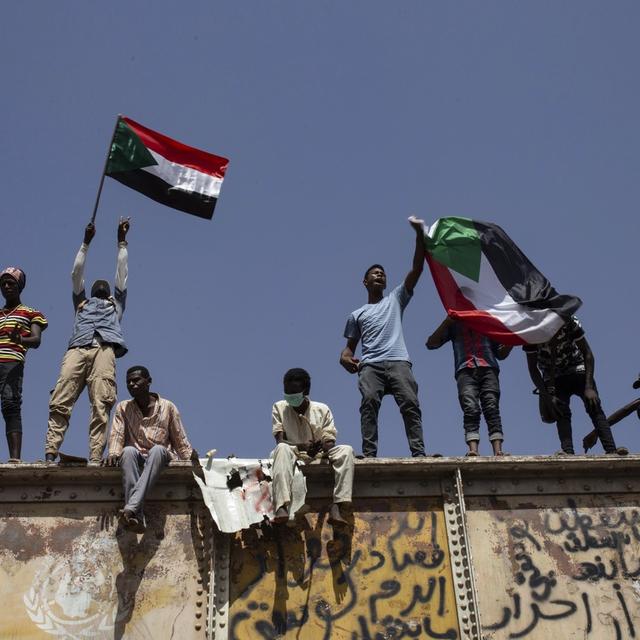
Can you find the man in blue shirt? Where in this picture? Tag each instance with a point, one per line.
(96, 341)
(476, 362)
(384, 367)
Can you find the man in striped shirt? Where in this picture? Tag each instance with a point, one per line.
(20, 329)
(146, 433)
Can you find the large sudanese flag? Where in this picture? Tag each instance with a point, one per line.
(485, 281)
(168, 171)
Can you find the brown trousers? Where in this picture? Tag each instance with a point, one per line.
(95, 368)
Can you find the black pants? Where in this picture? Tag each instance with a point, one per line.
(11, 394)
(377, 379)
(573, 385)
(479, 389)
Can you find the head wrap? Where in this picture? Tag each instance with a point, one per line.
(17, 274)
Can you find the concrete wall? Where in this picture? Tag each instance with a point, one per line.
(448, 548)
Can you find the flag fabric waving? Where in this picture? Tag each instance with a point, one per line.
(485, 281)
(165, 170)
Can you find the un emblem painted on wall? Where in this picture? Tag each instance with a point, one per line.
(72, 599)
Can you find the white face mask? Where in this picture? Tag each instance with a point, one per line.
(294, 399)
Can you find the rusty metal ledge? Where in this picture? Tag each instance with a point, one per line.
(382, 467)
(372, 475)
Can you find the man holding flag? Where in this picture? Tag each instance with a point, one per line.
(385, 366)
(95, 343)
(485, 281)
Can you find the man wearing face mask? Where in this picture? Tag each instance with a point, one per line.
(96, 341)
(304, 429)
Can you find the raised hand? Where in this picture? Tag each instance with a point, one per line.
(123, 228)
(417, 224)
(89, 232)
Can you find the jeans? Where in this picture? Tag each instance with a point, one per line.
(573, 385)
(139, 475)
(479, 392)
(377, 379)
(11, 374)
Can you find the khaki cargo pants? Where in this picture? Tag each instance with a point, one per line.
(95, 368)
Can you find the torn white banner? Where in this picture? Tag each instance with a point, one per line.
(237, 491)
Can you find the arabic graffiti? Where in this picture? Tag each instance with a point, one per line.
(388, 577)
(566, 568)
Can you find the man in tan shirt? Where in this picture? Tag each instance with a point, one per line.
(304, 429)
(146, 434)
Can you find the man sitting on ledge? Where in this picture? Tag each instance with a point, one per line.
(304, 429)
(146, 434)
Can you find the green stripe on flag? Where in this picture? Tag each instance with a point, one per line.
(456, 244)
(127, 151)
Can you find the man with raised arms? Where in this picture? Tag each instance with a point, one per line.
(90, 360)
(384, 367)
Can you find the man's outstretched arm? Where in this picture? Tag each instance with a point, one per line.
(413, 276)
(440, 335)
(122, 267)
(77, 273)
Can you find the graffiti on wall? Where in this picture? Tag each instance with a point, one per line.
(388, 576)
(571, 568)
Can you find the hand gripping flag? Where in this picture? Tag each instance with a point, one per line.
(485, 281)
(165, 170)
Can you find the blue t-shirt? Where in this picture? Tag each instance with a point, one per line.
(379, 327)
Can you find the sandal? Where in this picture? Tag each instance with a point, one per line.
(471, 454)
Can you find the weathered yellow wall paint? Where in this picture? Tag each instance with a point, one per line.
(67, 571)
(557, 566)
(392, 576)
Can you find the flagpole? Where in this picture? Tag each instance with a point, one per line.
(104, 168)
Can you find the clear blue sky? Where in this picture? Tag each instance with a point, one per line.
(340, 120)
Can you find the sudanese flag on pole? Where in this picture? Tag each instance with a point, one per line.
(164, 169)
(485, 281)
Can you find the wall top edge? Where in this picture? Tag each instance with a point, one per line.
(396, 468)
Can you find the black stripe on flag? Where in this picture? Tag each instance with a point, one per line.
(524, 283)
(157, 189)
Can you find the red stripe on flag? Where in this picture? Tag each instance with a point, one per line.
(461, 308)
(178, 152)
